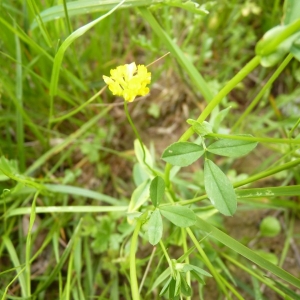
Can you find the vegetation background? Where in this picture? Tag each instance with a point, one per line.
(68, 165)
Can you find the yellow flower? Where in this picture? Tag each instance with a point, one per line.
(129, 81)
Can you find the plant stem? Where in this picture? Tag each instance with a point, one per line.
(187, 259)
(167, 258)
(267, 173)
(28, 243)
(138, 137)
(147, 269)
(262, 91)
(254, 138)
(133, 277)
(279, 38)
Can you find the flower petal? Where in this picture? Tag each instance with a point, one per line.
(129, 81)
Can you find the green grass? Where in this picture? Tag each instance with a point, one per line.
(78, 171)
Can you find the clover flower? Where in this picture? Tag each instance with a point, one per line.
(129, 81)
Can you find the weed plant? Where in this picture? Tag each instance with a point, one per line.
(183, 183)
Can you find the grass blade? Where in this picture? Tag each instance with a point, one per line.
(43, 158)
(194, 74)
(65, 209)
(292, 190)
(15, 260)
(19, 108)
(81, 7)
(62, 260)
(246, 252)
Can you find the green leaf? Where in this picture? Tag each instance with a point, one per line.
(219, 117)
(172, 288)
(179, 215)
(155, 228)
(232, 148)
(182, 153)
(277, 42)
(271, 257)
(161, 278)
(140, 156)
(7, 167)
(295, 50)
(185, 288)
(267, 39)
(219, 189)
(200, 271)
(197, 276)
(139, 174)
(272, 59)
(139, 196)
(202, 129)
(177, 284)
(291, 11)
(182, 267)
(270, 227)
(165, 287)
(157, 190)
(154, 110)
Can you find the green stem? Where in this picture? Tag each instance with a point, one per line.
(254, 138)
(280, 37)
(294, 128)
(249, 67)
(19, 97)
(28, 243)
(268, 173)
(51, 109)
(288, 240)
(167, 258)
(133, 277)
(147, 269)
(138, 137)
(187, 259)
(262, 91)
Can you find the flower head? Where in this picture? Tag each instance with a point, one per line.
(129, 81)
